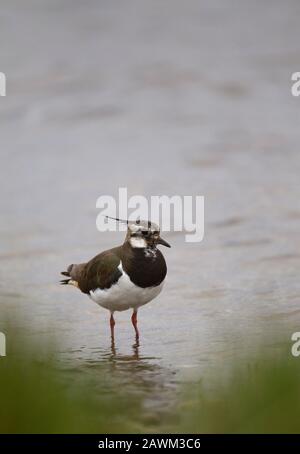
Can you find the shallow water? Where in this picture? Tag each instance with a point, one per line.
(161, 99)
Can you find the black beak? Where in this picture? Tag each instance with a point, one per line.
(163, 242)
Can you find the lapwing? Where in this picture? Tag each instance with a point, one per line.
(125, 277)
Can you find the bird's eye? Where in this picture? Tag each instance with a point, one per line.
(145, 232)
(156, 232)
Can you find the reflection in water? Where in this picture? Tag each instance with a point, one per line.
(142, 377)
(135, 348)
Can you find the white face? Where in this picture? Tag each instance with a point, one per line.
(137, 242)
(141, 235)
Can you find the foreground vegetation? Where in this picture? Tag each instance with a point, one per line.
(38, 397)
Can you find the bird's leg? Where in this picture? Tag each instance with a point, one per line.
(134, 322)
(113, 348)
(112, 325)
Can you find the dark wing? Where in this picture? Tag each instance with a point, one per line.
(100, 272)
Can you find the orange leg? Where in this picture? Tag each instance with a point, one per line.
(112, 325)
(134, 322)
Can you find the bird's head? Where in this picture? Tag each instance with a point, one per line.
(143, 234)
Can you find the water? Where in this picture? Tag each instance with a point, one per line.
(168, 98)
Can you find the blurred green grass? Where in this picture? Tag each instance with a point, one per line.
(261, 398)
(38, 397)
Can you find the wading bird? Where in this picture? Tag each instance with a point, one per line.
(125, 277)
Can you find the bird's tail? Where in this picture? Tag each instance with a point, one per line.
(73, 274)
(65, 281)
(68, 274)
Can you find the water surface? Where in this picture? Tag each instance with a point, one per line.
(168, 98)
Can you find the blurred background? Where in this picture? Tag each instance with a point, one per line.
(187, 98)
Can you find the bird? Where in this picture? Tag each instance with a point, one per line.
(124, 277)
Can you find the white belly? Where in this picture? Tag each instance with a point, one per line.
(124, 294)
